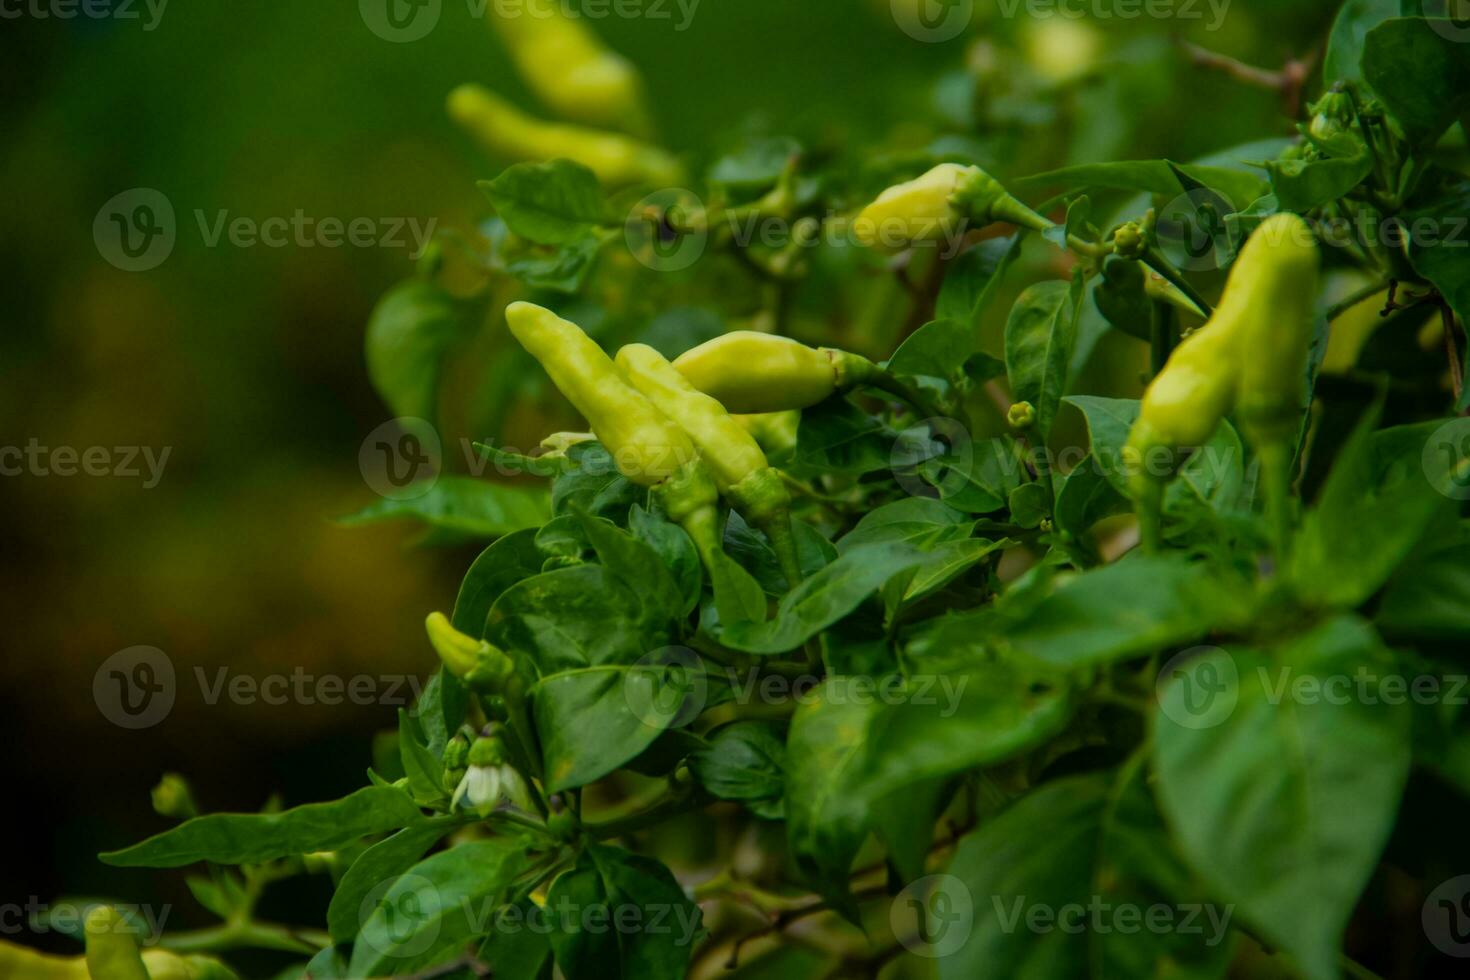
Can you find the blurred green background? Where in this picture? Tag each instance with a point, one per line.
(246, 362)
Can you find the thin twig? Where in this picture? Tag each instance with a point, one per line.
(1288, 82)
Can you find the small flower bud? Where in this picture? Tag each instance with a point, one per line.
(1022, 415)
(172, 798)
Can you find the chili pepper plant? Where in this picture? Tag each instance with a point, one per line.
(840, 635)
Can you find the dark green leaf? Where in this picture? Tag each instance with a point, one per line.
(385, 860)
(1086, 497)
(1055, 876)
(464, 507)
(439, 904)
(1129, 609)
(1420, 73)
(504, 563)
(1283, 790)
(648, 926)
(1041, 335)
(559, 268)
(596, 690)
(1149, 176)
(1345, 46)
(744, 761)
(550, 203)
(250, 838)
(823, 599)
(918, 521)
(1301, 185)
(935, 350)
(1376, 506)
(411, 330)
(1121, 299)
(837, 437)
(972, 281)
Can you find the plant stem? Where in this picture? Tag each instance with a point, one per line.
(1157, 261)
(1276, 473)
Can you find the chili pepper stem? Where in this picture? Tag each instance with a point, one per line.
(1276, 478)
(1157, 261)
(1149, 505)
(778, 530)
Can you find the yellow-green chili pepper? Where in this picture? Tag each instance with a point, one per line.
(933, 207)
(736, 460)
(570, 69)
(646, 446)
(1253, 351)
(1275, 341)
(112, 951)
(757, 373)
(508, 133)
(478, 662)
(774, 432)
(1279, 272)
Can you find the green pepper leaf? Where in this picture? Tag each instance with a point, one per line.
(553, 203)
(251, 838)
(973, 280)
(1420, 73)
(463, 508)
(1092, 843)
(599, 695)
(745, 761)
(823, 599)
(1132, 608)
(614, 887)
(385, 860)
(504, 563)
(435, 906)
(1345, 44)
(1262, 767)
(408, 336)
(1041, 335)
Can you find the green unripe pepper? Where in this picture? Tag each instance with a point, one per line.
(932, 207)
(1252, 352)
(510, 134)
(646, 446)
(570, 69)
(1278, 275)
(112, 950)
(735, 459)
(21, 961)
(756, 373)
(476, 661)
